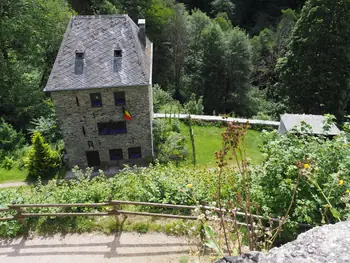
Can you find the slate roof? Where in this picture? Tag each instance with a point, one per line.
(98, 37)
(315, 121)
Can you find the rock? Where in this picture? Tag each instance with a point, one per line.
(251, 257)
(326, 244)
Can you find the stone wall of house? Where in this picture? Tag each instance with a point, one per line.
(73, 117)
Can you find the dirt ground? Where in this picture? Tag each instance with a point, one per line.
(94, 248)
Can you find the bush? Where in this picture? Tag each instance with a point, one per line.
(169, 144)
(194, 106)
(160, 98)
(10, 139)
(173, 149)
(324, 167)
(42, 160)
(172, 108)
(8, 163)
(158, 183)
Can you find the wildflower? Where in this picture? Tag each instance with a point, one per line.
(341, 182)
(306, 166)
(347, 191)
(189, 186)
(316, 169)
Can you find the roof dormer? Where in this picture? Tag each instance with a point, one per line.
(79, 63)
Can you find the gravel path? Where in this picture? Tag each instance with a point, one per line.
(14, 184)
(93, 248)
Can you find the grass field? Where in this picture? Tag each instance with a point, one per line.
(208, 141)
(13, 175)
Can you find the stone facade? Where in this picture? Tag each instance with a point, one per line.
(74, 111)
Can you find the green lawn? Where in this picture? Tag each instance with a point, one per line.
(13, 175)
(208, 141)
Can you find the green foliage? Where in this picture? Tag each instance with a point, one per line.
(163, 184)
(160, 98)
(42, 160)
(10, 139)
(267, 47)
(194, 106)
(29, 43)
(319, 47)
(324, 165)
(47, 126)
(218, 64)
(8, 163)
(169, 144)
(94, 7)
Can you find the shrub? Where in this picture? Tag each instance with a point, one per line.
(169, 144)
(172, 108)
(173, 148)
(158, 183)
(42, 160)
(8, 163)
(194, 106)
(324, 167)
(160, 98)
(10, 139)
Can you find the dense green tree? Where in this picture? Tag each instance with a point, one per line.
(255, 15)
(42, 160)
(238, 69)
(218, 64)
(158, 16)
(31, 32)
(314, 74)
(223, 6)
(10, 139)
(91, 7)
(267, 47)
(178, 45)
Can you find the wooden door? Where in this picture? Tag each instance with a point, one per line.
(93, 158)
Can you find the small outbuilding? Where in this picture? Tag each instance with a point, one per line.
(316, 124)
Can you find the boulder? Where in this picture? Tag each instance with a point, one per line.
(325, 244)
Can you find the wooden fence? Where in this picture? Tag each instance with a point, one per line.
(115, 210)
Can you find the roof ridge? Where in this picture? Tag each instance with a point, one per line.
(100, 16)
(137, 42)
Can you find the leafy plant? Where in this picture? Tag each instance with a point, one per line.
(169, 143)
(10, 139)
(194, 106)
(42, 160)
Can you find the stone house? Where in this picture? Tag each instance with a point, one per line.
(101, 87)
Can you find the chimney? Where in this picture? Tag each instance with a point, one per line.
(142, 31)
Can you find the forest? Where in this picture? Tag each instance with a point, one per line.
(243, 57)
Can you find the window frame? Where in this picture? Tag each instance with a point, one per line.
(120, 151)
(117, 97)
(118, 53)
(92, 100)
(90, 144)
(130, 153)
(79, 63)
(112, 128)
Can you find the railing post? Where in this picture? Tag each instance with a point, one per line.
(115, 212)
(19, 215)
